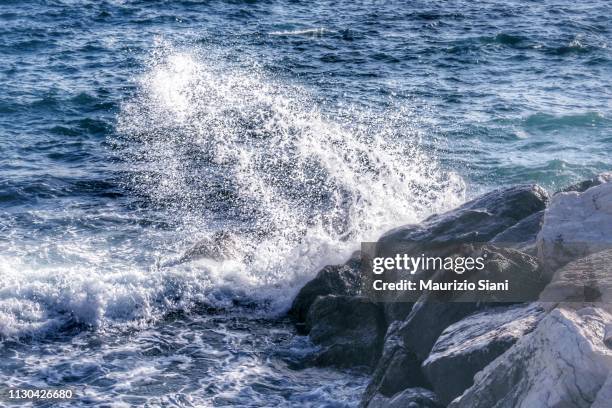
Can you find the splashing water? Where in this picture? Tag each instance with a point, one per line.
(228, 182)
(249, 168)
(230, 148)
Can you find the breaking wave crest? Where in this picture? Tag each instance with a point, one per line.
(229, 148)
(259, 184)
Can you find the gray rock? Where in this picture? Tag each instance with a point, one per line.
(409, 398)
(586, 184)
(479, 220)
(469, 345)
(378, 401)
(522, 236)
(608, 336)
(562, 363)
(331, 280)
(396, 311)
(435, 311)
(411, 340)
(219, 246)
(350, 331)
(397, 369)
(427, 321)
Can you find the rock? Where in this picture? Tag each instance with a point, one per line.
(587, 279)
(397, 369)
(522, 236)
(350, 331)
(428, 319)
(219, 246)
(604, 396)
(562, 363)
(576, 225)
(479, 220)
(523, 273)
(469, 345)
(378, 401)
(435, 311)
(410, 398)
(586, 184)
(414, 337)
(331, 280)
(396, 311)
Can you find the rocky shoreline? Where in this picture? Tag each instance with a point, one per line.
(553, 348)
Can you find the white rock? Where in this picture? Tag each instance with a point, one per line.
(469, 345)
(576, 225)
(562, 363)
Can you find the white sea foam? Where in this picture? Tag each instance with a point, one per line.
(308, 186)
(307, 31)
(223, 146)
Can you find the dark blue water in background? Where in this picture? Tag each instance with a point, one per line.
(130, 130)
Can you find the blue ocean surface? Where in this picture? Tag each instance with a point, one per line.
(172, 172)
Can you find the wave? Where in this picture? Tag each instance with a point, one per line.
(251, 173)
(296, 184)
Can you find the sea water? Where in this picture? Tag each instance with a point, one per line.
(279, 134)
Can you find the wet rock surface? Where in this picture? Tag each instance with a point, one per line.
(349, 330)
(409, 398)
(604, 396)
(435, 311)
(397, 369)
(478, 220)
(331, 280)
(523, 235)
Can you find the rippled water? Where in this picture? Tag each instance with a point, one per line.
(186, 360)
(281, 133)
